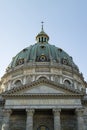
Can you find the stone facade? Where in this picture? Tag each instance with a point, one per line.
(60, 109)
(43, 90)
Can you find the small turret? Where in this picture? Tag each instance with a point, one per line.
(42, 37)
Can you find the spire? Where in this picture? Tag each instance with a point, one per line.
(42, 26)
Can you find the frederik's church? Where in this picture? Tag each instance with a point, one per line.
(43, 89)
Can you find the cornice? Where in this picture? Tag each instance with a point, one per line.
(43, 65)
(41, 96)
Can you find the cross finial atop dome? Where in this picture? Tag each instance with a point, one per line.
(42, 37)
(42, 25)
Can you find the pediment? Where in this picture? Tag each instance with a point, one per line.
(41, 87)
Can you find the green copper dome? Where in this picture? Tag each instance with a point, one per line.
(42, 51)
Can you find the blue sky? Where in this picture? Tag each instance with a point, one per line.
(65, 21)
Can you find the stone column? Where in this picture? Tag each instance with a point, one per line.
(57, 125)
(5, 122)
(80, 120)
(29, 121)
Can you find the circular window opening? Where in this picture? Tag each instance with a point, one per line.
(20, 61)
(43, 47)
(42, 58)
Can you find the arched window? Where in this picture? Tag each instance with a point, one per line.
(67, 83)
(39, 39)
(43, 128)
(18, 83)
(42, 78)
(42, 39)
(45, 39)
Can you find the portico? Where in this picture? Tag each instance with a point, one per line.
(47, 119)
(36, 110)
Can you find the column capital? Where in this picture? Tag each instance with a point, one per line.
(79, 111)
(30, 111)
(7, 111)
(56, 111)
